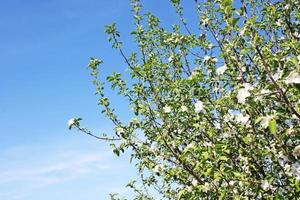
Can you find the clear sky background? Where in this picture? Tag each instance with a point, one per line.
(45, 46)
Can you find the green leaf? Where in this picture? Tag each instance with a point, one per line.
(235, 20)
(238, 174)
(223, 158)
(117, 152)
(258, 120)
(247, 139)
(180, 194)
(272, 126)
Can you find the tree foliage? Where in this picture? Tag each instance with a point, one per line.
(216, 110)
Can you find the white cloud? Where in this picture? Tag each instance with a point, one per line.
(27, 170)
(71, 166)
(64, 168)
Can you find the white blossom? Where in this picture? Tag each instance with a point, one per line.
(296, 170)
(294, 116)
(258, 98)
(183, 108)
(189, 189)
(231, 183)
(194, 182)
(266, 120)
(243, 93)
(191, 145)
(158, 168)
(205, 21)
(217, 125)
(135, 120)
(247, 86)
(225, 135)
(245, 168)
(214, 60)
(221, 69)
(207, 144)
(140, 144)
(278, 23)
(170, 59)
(199, 106)
(293, 77)
(243, 159)
(241, 183)
(265, 91)
(159, 157)
(265, 185)
(71, 122)
(153, 149)
(167, 109)
(286, 7)
(120, 130)
(206, 187)
(228, 117)
(240, 118)
(282, 159)
(289, 142)
(290, 131)
(296, 151)
(194, 74)
(277, 75)
(207, 58)
(224, 184)
(287, 169)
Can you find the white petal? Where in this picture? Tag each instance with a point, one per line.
(194, 182)
(206, 58)
(221, 70)
(265, 185)
(198, 106)
(183, 108)
(293, 77)
(167, 109)
(266, 120)
(71, 122)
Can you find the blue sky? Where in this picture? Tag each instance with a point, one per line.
(44, 50)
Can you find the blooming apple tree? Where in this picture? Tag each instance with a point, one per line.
(216, 110)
